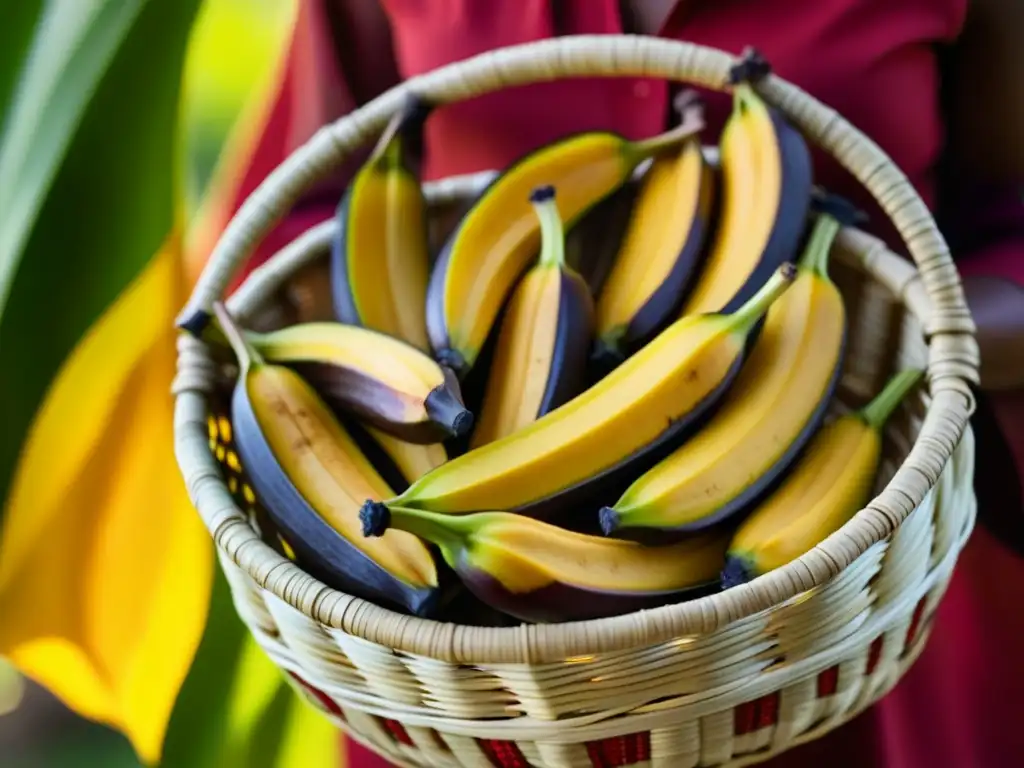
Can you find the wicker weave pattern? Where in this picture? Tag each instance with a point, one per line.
(750, 671)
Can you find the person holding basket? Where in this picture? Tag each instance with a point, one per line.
(938, 84)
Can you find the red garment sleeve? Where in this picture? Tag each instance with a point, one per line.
(319, 82)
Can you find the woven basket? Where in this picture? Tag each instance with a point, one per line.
(729, 679)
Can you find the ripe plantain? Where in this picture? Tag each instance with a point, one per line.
(541, 355)
(660, 253)
(542, 573)
(777, 404)
(829, 484)
(311, 478)
(766, 193)
(380, 259)
(492, 245)
(620, 426)
(386, 382)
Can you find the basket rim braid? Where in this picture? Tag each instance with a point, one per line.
(951, 372)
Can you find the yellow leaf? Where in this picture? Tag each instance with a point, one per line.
(105, 568)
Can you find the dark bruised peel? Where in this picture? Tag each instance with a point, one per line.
(569, 358)
(351, 391)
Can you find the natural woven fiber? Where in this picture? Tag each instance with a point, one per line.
(728, 679)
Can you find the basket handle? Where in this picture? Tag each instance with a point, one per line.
(621, 56)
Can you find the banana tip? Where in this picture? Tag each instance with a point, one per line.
(193, 321)
(606, 355)
(375, 517)
(788, 270)
(750, 68)
(737, 570)
(609, 520)
(462, 424)
(839, 208)
(542, 194)
(445, 407)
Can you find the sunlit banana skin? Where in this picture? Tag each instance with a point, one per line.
(499, 236)
(777, 404)
(540, 359)
(538, 572)
(380, 257)
(386, 382)
(660, 254)
(311, 478)
(831, 482)
(766, 192)
(622, 425)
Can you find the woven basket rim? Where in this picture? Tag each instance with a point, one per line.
(952, 366)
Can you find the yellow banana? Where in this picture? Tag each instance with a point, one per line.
(541, 356)
(830, 483)
(386, 382)
(766, 194)
(380, 260)
(775, 407)
(660, 254)
(623, 424)
(498, 237)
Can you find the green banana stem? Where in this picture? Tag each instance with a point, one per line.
(815, 256)
(878, 411)
(690, 126)
(744, 318)
(448, 532)
(743, 96)
(244, 350)
(552, 232)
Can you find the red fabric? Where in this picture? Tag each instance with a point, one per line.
(872, 60)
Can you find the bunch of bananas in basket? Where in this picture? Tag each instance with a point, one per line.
(558, 430)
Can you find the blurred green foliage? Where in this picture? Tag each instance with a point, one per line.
(233, 49)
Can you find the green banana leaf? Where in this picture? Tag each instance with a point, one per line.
(105, 572)
(236, 708)
(72, 150)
